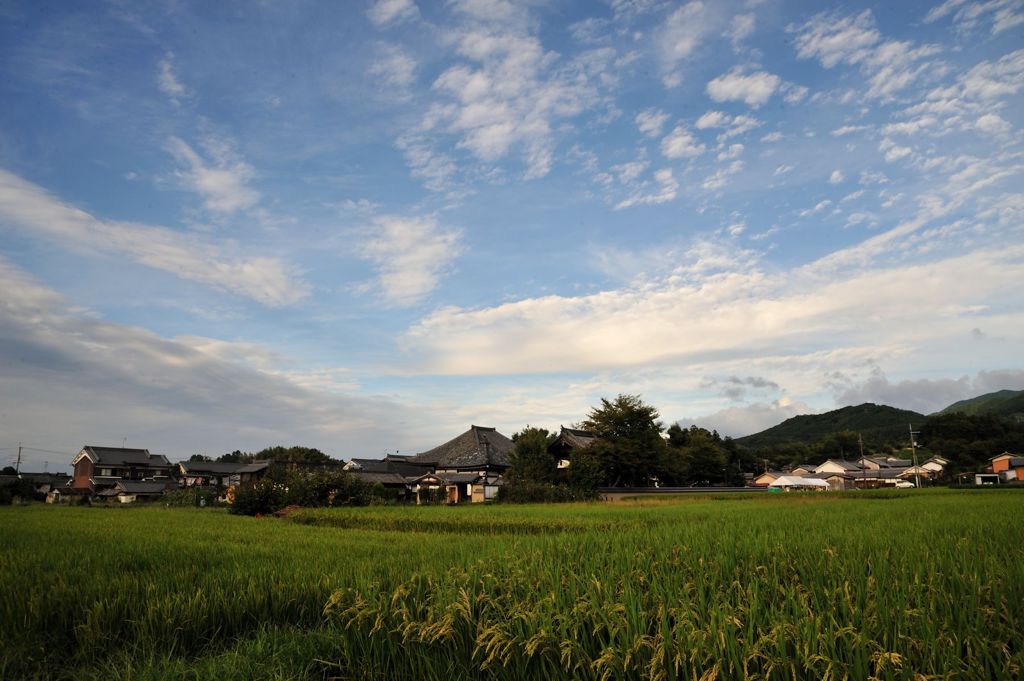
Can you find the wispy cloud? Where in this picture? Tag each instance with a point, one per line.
(753, 89)
(222, 182)
(410, 255)
(31, 208)
(167, 79)
(385, 12)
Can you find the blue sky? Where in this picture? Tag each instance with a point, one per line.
(363, 226)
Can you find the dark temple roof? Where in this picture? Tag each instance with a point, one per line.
(476, 448)
(571, 438)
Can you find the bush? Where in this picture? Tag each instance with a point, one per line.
(189, 496)
(265, 496)
(531, 492)
(301, 488)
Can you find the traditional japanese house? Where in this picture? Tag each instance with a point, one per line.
(97, 468)
(469, 466)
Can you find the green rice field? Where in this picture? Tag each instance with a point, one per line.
(890, 585)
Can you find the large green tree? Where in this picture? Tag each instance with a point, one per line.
(630, 449)
(530, 459)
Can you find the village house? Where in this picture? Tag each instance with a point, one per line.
(393, 472)
(836, 466)
(209, 473)
(131, 491)
(98, 468)
(468, 467)
(1008, 467)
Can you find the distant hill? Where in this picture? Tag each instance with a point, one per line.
(876, 422)
(1004, 403)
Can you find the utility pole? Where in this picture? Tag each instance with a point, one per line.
(913, 452)
(863, 472)
(17, 466)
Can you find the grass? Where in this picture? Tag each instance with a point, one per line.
(787, 586)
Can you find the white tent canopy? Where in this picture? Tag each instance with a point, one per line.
(794, 481)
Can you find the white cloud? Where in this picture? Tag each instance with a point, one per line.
(836, 177)
(176, 396)
(168, 81)
(750, 418)
(889, 65)
(741, 28)
(651, 121)
(992, 124)
(731, 152)
(679, 36)
(713, 119)
(968, 16)
(394, 66)
(772, 137)
(849, 130)
(666, 188)
(893, 152)
(508, 94)
(410, 255)
(384, 12)
(818, 207)
(782, 170)
(222, 184)
(720, 177)
(754, 89)
(31, 208)
(681, 144)
(734, 311)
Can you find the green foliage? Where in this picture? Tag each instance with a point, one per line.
(525, 491)
(701, 458)
(22, 489)
(198, 458)
(630, 448)
(301, 488)
(530, 459)
(9, 470)
(189, 496)
(266, 496)
(278, 453)
(236, 456)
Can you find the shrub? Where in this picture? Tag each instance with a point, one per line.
(529, 492)
(189, 496)
(265, 496)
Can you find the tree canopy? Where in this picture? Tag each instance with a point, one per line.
(630, 448)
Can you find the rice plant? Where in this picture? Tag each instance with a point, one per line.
(910, 586)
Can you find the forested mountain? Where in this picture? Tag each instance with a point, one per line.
(1004, 403)
(877, 423)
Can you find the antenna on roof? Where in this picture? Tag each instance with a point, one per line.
(124, 440)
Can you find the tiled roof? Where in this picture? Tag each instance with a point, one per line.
(476, 448)
(383, 478)
(210, 467)
(138, 487)
(120, 456)
(572, 438)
